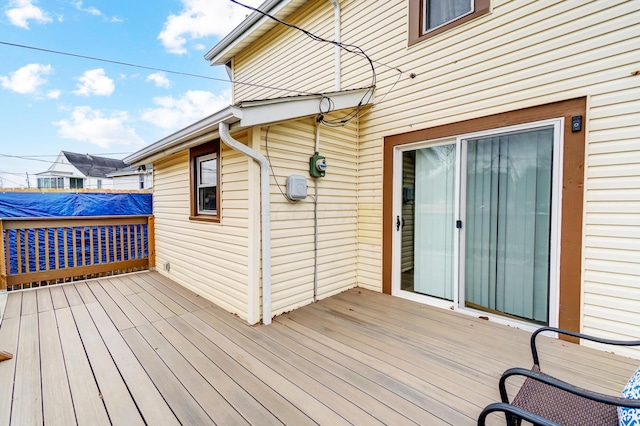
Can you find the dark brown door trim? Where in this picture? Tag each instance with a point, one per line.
(572, 191)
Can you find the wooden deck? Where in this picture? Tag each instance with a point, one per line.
(138, 349)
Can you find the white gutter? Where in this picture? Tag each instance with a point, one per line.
(265, 213)
(337, 38)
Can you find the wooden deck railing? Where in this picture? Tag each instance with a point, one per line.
(38, 251)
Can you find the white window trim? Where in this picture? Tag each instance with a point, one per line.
(556, 220)
(199, 161)
(425, 28)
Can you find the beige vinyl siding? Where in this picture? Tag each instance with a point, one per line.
(282, 47)
(292, 225)
(208, 258)
(524, 53)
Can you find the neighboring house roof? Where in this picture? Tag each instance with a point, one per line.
(251, 29)
(130, 170)
(252, 113)
(94, 166)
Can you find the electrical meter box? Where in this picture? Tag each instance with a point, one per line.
(317, 165)
(296, 187)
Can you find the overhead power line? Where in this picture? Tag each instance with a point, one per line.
(129, 64)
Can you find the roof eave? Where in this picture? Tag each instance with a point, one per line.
(165, 146)
(254, 25)
(249, 114)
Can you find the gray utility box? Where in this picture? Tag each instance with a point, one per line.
(296, 187)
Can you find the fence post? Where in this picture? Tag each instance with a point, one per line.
(151, 242)
(3, 265)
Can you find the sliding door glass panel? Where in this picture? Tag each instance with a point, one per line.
(432, 200)
(508, 224)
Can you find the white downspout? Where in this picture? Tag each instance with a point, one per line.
(265, 212)
(336, 49)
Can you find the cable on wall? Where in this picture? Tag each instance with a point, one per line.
(266, 146)
(368, 95)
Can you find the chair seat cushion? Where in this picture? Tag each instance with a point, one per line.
(630, 416)
(563, 407)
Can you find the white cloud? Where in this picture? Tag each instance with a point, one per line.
(90, 10)
(54, 94)
(26, 79)
(20, 12)
(94, 11)
(98, 128)
(160, 79)
(94, 82)
(199, 19)
(175, 113)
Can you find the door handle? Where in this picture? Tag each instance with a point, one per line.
(398, 223)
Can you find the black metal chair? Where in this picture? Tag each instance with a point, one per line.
(546, 400)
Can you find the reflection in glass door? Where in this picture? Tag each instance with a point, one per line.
(475, 223)
(508, 223)
(428, 207)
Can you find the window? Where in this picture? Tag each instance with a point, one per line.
(46, 183)
(431, 17)
(76, 183)
(99, 183)
(205, 175)
(141, 181)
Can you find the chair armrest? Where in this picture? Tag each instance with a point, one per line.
(509, 409)
(534, 350)
(560, 384)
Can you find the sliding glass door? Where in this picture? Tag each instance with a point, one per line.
(508, 223)
(428, 212)
(475, 222)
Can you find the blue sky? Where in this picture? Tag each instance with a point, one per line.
(51, 102)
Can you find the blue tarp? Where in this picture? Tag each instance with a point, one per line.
(52, 204)
(48, 204)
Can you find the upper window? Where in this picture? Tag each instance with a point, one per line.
(439, 12)
(430, 17)
(205, 175)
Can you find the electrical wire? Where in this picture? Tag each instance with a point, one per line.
(129, 64)
(351, 48)
(266, 146)
(38, 157)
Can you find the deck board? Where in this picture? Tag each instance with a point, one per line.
(300, 397)
(369, 395)
(43, 296)
(216, 407)
(88, 402)
(260, 392)
(14, 305)
(186, 409)
(120, 405)
(58, 297)
(307, 377)
(147, 398)
(237, 397)
(139, 348)
(56, 394)
(27, 394)
(29, 303)
(9, 343)
(72, 295)
(129, 309)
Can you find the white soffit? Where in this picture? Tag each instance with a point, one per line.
(251, 29)
(249, 114)
(273, 110)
